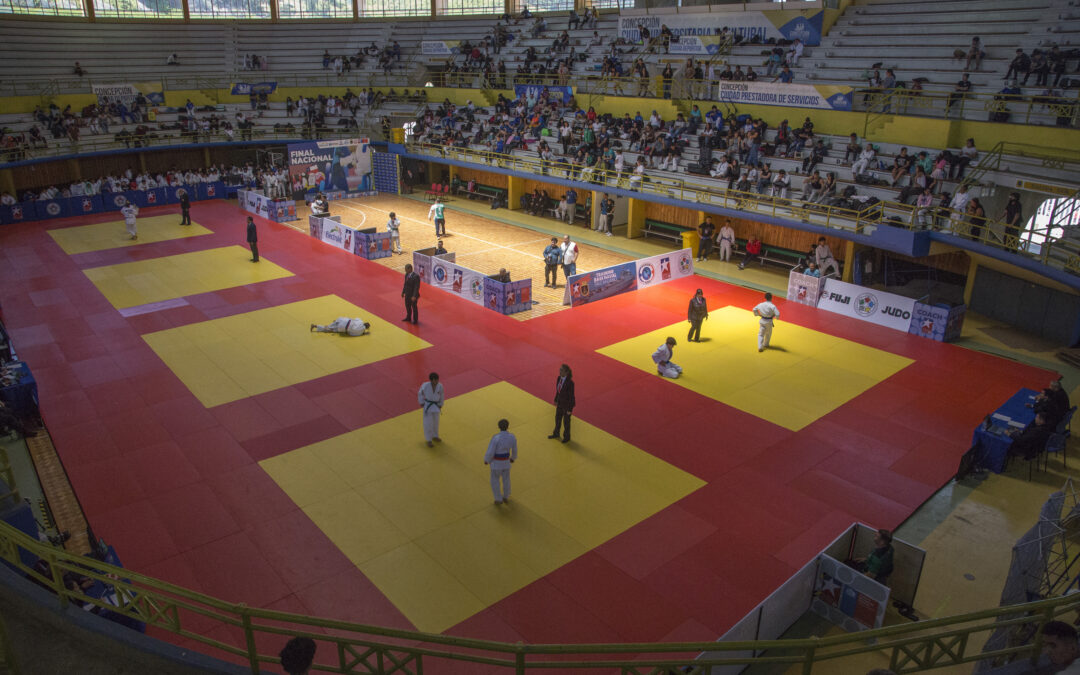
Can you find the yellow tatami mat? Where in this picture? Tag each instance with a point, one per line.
(803, 376)
(175, 276)
(101, 236)
(252, 353)
(421, 523)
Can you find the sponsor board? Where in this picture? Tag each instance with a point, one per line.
(439, 47)
(858, 302)
(822, 97)
(342, 166)
(625, 277)
(805, 25)
(804, 289)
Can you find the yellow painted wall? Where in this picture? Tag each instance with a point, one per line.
(988, 134)
(26, 104)
(831, 15)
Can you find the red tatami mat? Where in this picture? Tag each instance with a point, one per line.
(177, 488)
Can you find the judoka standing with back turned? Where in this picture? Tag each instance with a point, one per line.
(431, 398)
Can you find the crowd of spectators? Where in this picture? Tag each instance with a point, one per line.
(341, 64)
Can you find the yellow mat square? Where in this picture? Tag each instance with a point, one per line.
(102, 236)
(238, 356)
(146, 281)
(420, 522)
(803, 376)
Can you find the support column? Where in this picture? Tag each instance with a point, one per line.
(515, 188)
(7, 182)
(849, 261)
(88, 5)
(187, 10)
(142, 161)
(206, 158)
(635, 219)
(355, 10)
(594, 216)
(76, 170)
(273, 11)
(969, 285)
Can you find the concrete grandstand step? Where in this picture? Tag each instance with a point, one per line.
(929, 9)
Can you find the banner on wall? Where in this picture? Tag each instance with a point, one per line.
(331, 166)
(625, 277)
(247, 88)
(255, 202)
(805, 25)
(884, 309)
(804, 289)
(527, 91)
(126, 93)
(848, 598)
(702, 45)
(819, 96)
(439, 47)
(508, 298)
(937, 322)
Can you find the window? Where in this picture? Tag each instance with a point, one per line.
(548, 5)
(1053, 216)
(376, 8)
(48, 7)
(612, 4)
(315, 9)
(229, 9)
(122, 9)
(460, 7)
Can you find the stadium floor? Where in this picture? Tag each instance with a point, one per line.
(191, 494)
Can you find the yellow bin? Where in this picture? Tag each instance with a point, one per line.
(691, 240)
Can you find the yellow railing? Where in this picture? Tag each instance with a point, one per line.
(1060, 253)
(1022, 109)
(345, 647)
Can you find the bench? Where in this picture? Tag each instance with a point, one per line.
(773, 254)
(664, 230)
(484, 191)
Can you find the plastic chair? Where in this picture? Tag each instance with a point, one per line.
(1058, 442)
(1065, 425)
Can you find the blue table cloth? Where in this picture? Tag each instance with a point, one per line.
(21, 396)
(993, 442)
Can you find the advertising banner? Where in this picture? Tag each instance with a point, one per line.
(246, 88)
(261, 205)
(126, 93)
(17, 213)
(937, 322)
(608, 281)
(701, 45)
(805, 25)
(373, 245)
(527, 91)
(602, 283)
(820, 96)
(331, 166)
(508, 298)
(114, 201)
(53, 208)
(884, 309)
(439, 47)
(462, 281)
(848, 598)
(804, 289)
(81, 206)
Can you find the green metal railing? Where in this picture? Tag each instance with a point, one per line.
(1022, 109)
(1057, 253)
(345, 647)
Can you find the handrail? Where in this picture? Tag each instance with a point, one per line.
(174, 609)
(1065, 254)
(945, 103)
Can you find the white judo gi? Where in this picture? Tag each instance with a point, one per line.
(726, 238)
(130, 211)
(501, 453)
(345, 325)
(825, 260)
(766, 311)
(662, 358)
(431, 402)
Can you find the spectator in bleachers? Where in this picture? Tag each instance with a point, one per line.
(78, 70)
(795, 53)
(811, 185)
(901, 167)
(780, 185)
(975, 54)
(863, 163)
(1057, 63)
(958, 205)
(173, 60)
(1020, 65)
(785, 76)
(924, 208)
(773, 63)
(574, 21)
(1013, 218)
(666, 37)
(817, 154)
(827, 190)
(968, 154)
(976, 217)
(960, 90)
(1040, 66)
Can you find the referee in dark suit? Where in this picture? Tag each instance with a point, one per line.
(564, 402)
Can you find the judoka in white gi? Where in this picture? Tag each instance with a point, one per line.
(130, 211)
(766, 312)
(501, 453)
(344, 326)
(662, 358)
(431, 399)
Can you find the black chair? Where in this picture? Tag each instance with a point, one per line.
(1058, 442)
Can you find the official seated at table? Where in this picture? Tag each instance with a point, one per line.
(878, 565)
(1032, 440)
(502, 276)
(439, 248)
(1053, 403)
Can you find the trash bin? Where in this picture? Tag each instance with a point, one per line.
(691, 240)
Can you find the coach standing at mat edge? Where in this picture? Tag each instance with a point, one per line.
(564, 402)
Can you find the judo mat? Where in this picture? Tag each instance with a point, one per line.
(146, 281)
(243, 355)
(421, 524)
(803, 376)
(113, 234)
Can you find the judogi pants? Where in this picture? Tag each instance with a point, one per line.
(395, 239)
(764, 333)
(130, 225)
(431, 422)
(670, 370)
(725, 250)
(500, 476)
(829, 264)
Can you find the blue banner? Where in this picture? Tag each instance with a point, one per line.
(53, 208)
(603, 283)
(246, 88)
(507, 298)
(937, 322)
(212, 190)
(86, 205)
(17, 213)
(338, 166)
(155, 197)
(534, 91)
